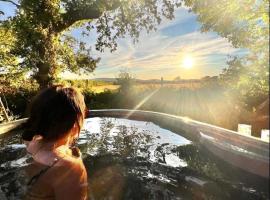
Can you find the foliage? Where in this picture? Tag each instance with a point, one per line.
(177, 78)
(251, 82)
(245, 23)
(41, 28)
(103, 100)
(126, 81)
(17, 94)
(9, 63)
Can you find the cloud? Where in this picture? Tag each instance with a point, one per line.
(161, 53)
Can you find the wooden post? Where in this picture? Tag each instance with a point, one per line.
(4, 110)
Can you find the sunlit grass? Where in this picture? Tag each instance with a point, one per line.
(103, 88)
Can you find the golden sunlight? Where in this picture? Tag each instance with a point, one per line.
(188, 62)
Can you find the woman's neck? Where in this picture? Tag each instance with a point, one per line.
(45, 152)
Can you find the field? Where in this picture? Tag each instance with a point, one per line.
(104, 88)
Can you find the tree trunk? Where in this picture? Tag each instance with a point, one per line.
(42, 76)
(47, 66)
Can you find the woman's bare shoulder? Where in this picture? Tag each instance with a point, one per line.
(70, 165)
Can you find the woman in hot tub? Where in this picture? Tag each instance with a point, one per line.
(57, 171)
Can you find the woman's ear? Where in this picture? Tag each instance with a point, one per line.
(75, 130)
(37, 137)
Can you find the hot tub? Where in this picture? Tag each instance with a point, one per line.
(148, 155)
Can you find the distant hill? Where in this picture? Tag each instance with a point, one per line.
(150, 81)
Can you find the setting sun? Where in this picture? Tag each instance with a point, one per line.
(188, 62)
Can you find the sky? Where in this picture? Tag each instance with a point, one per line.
(161, 53)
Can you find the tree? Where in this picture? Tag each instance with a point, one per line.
(125, 80)
(177, 78)
(245, 23)
(44, 46)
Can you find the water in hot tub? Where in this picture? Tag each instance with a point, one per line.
(128, 159)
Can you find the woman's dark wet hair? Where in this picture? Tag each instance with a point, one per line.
(53, 113)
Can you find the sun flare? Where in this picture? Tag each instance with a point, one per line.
(188, 62)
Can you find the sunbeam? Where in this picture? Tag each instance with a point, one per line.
(142, 102)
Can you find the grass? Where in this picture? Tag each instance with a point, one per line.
(104, 88)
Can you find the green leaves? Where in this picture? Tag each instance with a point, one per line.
(39, 27)
(245, 23)
(130, 18)
(75, 57)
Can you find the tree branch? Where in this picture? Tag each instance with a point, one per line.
(76, 12)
